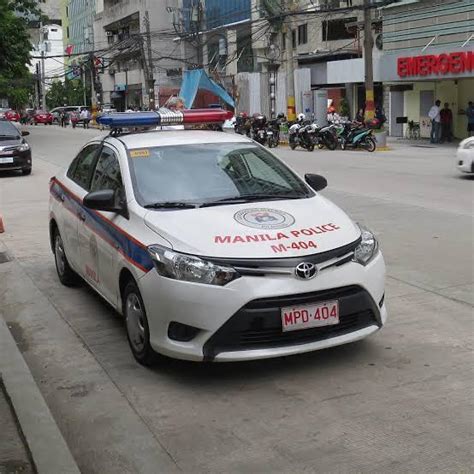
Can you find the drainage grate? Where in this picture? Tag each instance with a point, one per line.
(4, 257)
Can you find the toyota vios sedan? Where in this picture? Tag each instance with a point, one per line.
(212, 248)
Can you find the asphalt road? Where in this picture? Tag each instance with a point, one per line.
(400, 401)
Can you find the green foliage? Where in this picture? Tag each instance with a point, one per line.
(71, 92)
(345, 109)
(15, 46)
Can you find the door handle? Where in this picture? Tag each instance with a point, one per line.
(81, 216)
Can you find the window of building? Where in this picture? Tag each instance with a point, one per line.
(336, 29)
(293, 38)
(303, 34)
(283, 41)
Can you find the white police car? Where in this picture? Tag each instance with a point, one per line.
(465, 155)
(210, 246)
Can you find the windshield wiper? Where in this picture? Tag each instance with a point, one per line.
(16, 137)
(170, 205)
(252, 197)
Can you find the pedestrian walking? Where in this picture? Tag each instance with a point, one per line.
(434, 115)
(470, 118)
(63, 118)
(85, 117)
(446, 118)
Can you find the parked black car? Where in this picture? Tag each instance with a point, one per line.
(15, 153)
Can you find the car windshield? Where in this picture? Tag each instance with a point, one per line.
(210, 174)
(8, 131)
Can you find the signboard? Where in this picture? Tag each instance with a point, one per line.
(432, 64)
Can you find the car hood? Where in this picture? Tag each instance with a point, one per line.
(9, 143)
(273, 229)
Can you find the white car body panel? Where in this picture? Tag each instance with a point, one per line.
(106, 244)
(465, 156)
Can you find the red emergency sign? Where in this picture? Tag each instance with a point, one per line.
(440, 64)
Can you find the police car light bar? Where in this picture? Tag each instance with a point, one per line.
(164, 117)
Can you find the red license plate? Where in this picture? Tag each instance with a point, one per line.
(310, 316)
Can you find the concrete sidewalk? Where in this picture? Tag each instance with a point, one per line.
(30, 440)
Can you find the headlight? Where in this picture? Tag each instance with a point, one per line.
(23, 147)
(178, 266)
(367, 248)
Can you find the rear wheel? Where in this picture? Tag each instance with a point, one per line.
(369, 144)
(67, 276)
(330, 142)
(310, 147)
(138, 332)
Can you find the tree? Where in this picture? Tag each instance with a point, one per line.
(71, 92)
(15, 47)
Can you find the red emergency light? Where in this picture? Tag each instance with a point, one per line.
(164, 117)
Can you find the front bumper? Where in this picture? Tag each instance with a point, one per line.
(21, 160)
(465, 160)
(241, 321)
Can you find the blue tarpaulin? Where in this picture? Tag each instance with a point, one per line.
(198, 79)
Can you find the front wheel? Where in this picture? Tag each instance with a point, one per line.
(292, 144)
(369, 144)
(26, 171)
(310, 147)
(138, 332)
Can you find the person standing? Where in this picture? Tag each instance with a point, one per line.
(470, 118)
(446, 117)
(434, 115)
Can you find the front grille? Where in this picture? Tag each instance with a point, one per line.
(258, 324)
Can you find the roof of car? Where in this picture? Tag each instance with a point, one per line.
(179, 137)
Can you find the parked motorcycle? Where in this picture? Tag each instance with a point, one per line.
(242, 124)
(357, 136)
(324, 137)
(302, 135)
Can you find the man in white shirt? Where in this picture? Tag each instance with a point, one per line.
(434, 115)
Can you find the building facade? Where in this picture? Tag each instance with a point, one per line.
(138, 38)
(428, 55)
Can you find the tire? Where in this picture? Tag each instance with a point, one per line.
(26, 171)
(67, 276)
(369, 144)
(136, 323)
(330, 142)
(292, 145)
(310, 147)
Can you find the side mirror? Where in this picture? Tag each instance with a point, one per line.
(105, 200)
(24, 133)
(316, 181)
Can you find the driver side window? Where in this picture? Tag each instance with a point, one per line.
(81, 168)
(107, 173)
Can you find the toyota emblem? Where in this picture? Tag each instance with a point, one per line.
(306, 270)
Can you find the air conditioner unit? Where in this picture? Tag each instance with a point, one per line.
(109, 33)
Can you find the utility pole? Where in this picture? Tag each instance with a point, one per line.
(369, 71)
(290, 67)
(150, 80)
(43, 81)
(93, 96)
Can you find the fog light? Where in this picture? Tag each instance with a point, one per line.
(181, 332)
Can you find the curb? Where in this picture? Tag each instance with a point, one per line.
(45, 442)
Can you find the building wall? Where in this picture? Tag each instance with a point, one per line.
(81, 25)
(412, 25)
